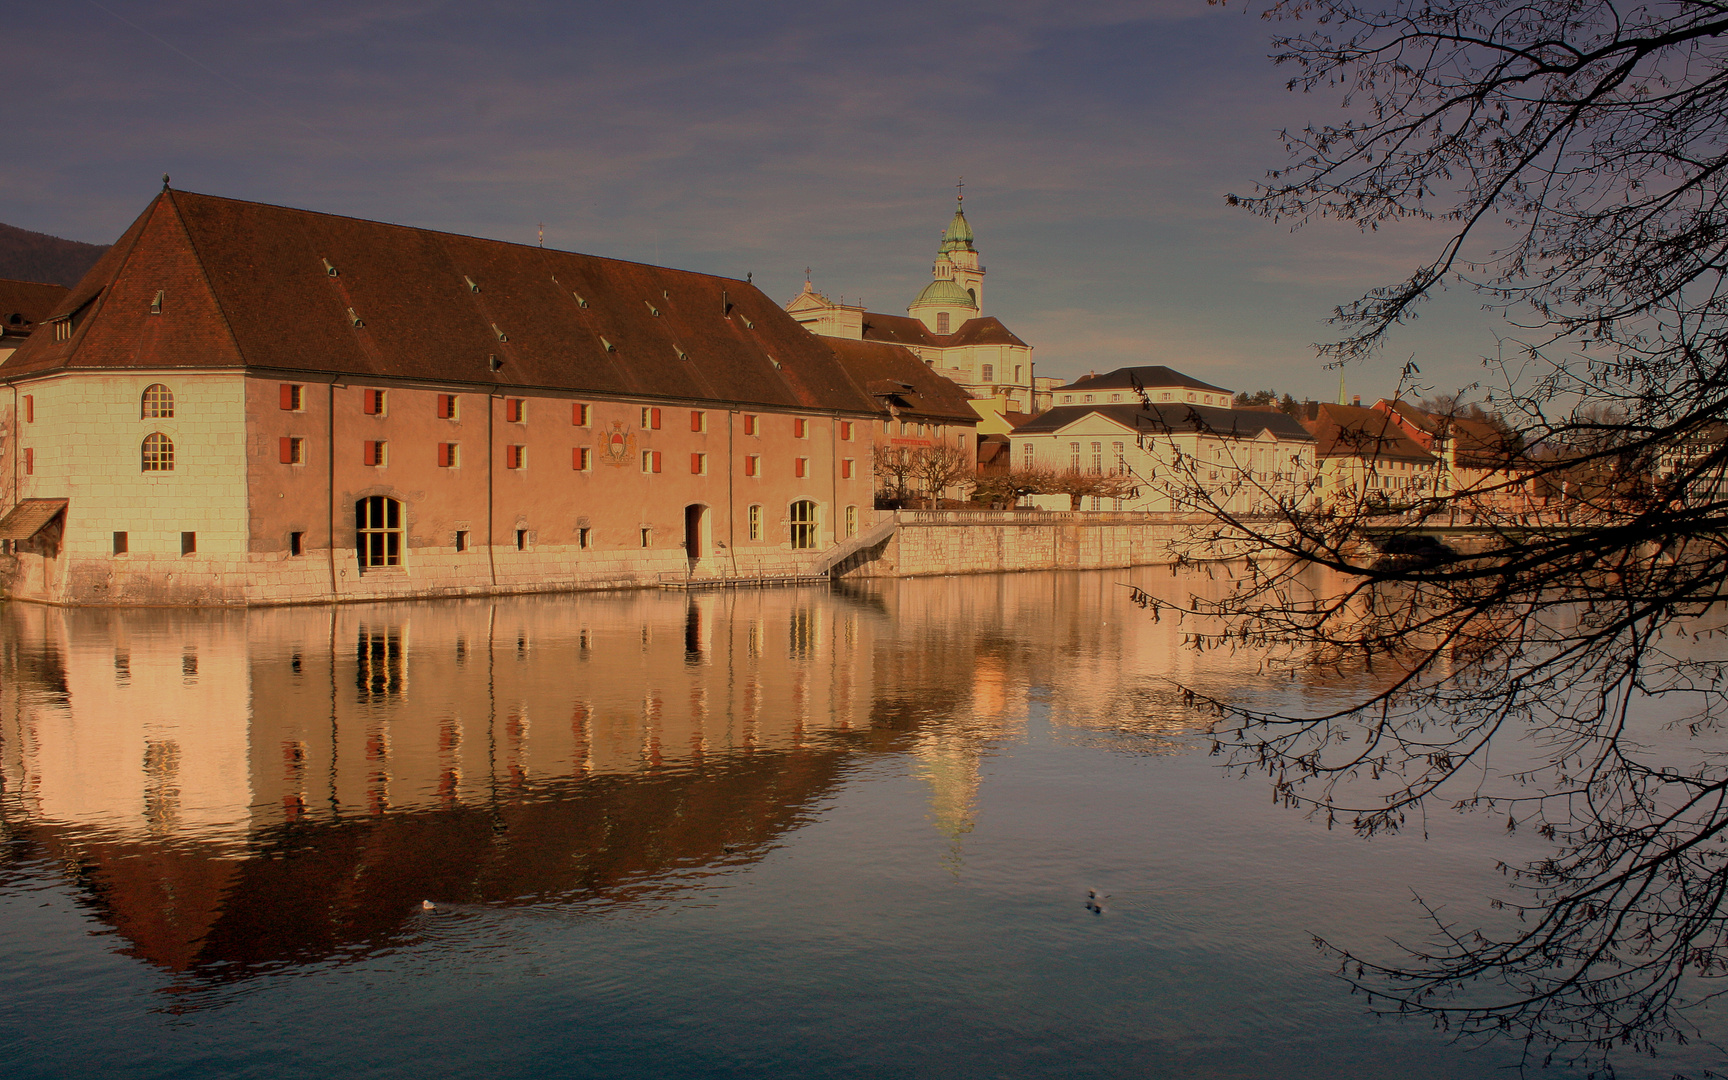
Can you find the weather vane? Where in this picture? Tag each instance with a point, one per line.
(960, 189)
(542, 230)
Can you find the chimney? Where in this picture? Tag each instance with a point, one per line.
(1356, 401)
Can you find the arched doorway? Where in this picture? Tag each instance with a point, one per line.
(378, 531)
(803, 525)
(695, 524)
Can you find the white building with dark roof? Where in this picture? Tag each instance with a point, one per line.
(1176, 438)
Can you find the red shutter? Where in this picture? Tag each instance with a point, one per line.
(750, 465)
(846, 430)
(656, 453)
(846, 469)
(749, 424)
(695, 420)
(29, 408)
(446, 406)
(371, 452)
(696, 463)
(798, 466)
(29, 460)
(654, 417)
(287, 393)
(576, 411)
(287, 449)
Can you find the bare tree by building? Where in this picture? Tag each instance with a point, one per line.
(1578, 150)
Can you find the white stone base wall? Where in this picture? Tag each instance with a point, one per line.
(264, 579)
(964, 542)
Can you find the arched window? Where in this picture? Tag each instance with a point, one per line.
(941, 322)
(378, 531)
(803, 525)
(158, 453)
(158, 402)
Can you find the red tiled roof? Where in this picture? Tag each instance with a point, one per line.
(884, 369)
(245, 285)
(1352, 431)
(905, 330)
(26, 303)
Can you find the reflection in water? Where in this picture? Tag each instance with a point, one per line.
(251, 789)
(719, 821)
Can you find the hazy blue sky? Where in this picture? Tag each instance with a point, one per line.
(1097, 141)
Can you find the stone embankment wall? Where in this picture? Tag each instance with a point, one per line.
(929, 542)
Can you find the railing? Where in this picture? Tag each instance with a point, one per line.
(1040, 517)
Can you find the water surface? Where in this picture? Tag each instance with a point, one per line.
(787, 832)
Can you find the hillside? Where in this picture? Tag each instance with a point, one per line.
(34, 256)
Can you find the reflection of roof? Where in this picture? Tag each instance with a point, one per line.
(905, 330)
(29, 517)
(1352, 431)
(1172, 417)
(892, 372)
(311, 891)
(25, 303)
(1152, 375)
(249, 285)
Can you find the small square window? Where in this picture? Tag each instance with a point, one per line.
(698, 420)
(188, 543)
(521, 539)
(749, 423)
(698, 464)
(752, 464)
(292, 450)
(449, 455)
(800, 427)
(846, 469)
(650, 461)
(447, 407)
(584, 538)
(647, 537)
(650, 419)
(580, 414)
(461, 540)
(374, 403)
(800, 466)
(375, 453)
(515, 457)
(582, 459)
(296, 543)
(29, 408)
(120, 543)
(292, 397)
(846, 431)
(515, 410)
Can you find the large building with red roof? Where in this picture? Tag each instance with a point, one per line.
(245, 403)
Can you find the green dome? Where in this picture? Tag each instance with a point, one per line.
(944, 292)
(959, 234)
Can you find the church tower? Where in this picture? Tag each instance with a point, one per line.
(957, 290)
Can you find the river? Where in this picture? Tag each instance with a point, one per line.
(819, 833)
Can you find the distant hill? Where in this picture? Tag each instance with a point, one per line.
(34, 256)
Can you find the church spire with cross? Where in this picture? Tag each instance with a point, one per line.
(956, 291)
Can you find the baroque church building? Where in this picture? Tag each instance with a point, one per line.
(945, 326)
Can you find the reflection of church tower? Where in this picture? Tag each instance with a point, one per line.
(957, 291)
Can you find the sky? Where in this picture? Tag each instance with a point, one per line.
(1096, 140)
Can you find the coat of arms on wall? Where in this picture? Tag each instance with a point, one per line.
(618, 446)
